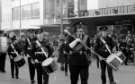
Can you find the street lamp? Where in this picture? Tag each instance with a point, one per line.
(61, 17)
(20, 17)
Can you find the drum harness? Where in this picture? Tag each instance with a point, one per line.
(42, 50)
(14, 50)
(30, 45)
(107, 47)
(17, 54)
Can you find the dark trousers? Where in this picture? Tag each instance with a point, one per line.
(31, 69)
(2, 61)
(14, 69)
(66, 69)
(104, 66)
(75, 71)
(45, 77)
(41, 74)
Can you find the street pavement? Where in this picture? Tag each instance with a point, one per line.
(126, 75)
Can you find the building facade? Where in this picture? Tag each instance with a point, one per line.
(114, 3)
(26, 14)
(6, 14)
(0, 15)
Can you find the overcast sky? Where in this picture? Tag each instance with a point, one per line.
(92, 4)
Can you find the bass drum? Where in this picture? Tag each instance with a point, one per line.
(19, 60)
(49, 65)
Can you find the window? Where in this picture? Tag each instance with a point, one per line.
(35, 10)
(16, 13)
(29, 11)
(26, 12)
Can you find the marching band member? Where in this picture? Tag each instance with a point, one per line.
(78, 60)
(16, 52)
(12, 55)
(43, 46)
(100, 48)
(30, 53)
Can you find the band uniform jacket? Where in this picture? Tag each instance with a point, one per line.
(30, 47)
(79, 58)
(100, 46)
(11, 52)
(47, 48)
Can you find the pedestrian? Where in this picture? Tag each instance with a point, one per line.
(63, 56)
(3, 50)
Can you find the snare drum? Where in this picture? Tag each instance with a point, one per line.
(115, 60)
(49, 65)
(19, 60)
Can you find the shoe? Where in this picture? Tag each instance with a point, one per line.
(12, 77)
(32, 81)
(2, 71)
(66, 73)
(62, 68)
(113, 83)
(17, 77)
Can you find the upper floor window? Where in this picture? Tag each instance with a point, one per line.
(35, 10)
(29, 11)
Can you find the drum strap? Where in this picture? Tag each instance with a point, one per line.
(14, 50)
(107, 47)
(43, 51)
(85, 39)
(29, 42)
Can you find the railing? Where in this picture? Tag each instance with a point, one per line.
(119, 10)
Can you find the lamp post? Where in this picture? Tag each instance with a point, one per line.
(20, 17)
(61, 17)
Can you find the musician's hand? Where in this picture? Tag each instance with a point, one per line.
(10, 57)
(32, 61)
(36, 61)
(104, 59)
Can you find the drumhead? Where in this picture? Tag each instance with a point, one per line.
(47, 62)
